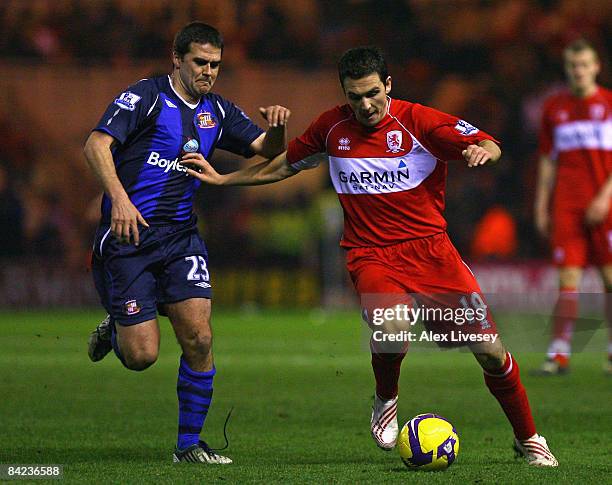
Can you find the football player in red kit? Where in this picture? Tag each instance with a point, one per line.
(387, 161)
(574, 188)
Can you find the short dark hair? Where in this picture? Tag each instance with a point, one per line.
(580, 45)
(362, 61)
(197, 32)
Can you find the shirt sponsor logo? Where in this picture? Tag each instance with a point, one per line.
(380, 175)
(205, 120)
(465, 128)
(127, 101)
(394, 141)
(344, 144)
(386, 179)
(191, 146)
(167, 165)
(583, 135)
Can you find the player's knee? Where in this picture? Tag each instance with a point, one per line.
(141, 359)
(569, 277)
(491, 362)
(199, 344)
(490, 357)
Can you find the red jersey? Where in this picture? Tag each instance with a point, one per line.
(577, 133)
(390, 178)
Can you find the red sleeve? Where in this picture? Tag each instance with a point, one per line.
(444, 135)
(545, 139)
(301, 150)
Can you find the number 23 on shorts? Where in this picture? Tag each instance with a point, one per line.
(198, 270)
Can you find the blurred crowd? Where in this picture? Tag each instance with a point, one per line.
(427, 36)
(490, 61)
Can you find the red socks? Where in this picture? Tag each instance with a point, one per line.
(386, 372)
(505, 384)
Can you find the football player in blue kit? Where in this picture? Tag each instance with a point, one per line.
(148, 255)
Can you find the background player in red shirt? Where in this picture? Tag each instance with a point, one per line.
(387, 163)
(572, 204)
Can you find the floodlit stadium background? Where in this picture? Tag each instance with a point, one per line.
(63, 61)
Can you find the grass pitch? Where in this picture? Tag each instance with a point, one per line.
(301, 387)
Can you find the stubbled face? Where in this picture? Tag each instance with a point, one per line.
(367, 97)
(197, 71)
(582, 68)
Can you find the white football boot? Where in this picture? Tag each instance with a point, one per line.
(384, 423)
(535, 450)
(200, 453)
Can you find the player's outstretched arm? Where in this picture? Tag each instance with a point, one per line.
(266, 172)
(274, 140)
(124, 216)
(486, 151)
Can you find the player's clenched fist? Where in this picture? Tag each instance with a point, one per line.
(275, 115)
(476, 155)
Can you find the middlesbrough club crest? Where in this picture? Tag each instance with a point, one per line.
(597, 111)
(394, 141)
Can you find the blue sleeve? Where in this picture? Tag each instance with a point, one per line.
(238, 129)
(128, 110)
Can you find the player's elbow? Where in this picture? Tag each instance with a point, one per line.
(96, 142)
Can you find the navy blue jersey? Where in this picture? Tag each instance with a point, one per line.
(154, 127)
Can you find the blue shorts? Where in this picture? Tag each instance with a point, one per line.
(169, 265)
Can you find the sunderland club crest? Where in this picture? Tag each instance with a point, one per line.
(205, 120)
(132, 307)
(394, 141)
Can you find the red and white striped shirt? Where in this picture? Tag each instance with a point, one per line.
(577, 133)
(390, 178)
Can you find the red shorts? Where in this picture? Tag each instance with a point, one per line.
(428, 270)
(574, 244)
